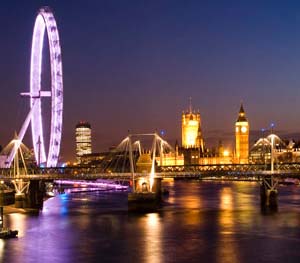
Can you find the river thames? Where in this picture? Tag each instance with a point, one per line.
(199, 222)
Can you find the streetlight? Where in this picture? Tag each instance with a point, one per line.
(272, 146)
(272, 152)
(272, 125)
(263, 146)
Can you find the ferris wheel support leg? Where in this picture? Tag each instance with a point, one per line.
(20, 136)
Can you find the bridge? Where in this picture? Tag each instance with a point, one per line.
(129, 162)
(225, 171)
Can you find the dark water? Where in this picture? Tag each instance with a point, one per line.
(201, 222)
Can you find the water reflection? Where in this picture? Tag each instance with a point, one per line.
(226, 206)
(17, 221)
(227, 250)
(2, 247)
(226, 198)
(57, 205)
(153, 239)
(185, 197)
(200, 222)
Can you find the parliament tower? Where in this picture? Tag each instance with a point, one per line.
(242, 138)
(191, 130)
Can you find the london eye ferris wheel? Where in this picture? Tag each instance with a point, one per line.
(45, 22)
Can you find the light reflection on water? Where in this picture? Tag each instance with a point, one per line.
(153, 238)
(200, 221)
(2, 248)
(226, 248)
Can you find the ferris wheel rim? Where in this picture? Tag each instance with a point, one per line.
(45, 22)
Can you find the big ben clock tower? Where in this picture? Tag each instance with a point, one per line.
(242, 138)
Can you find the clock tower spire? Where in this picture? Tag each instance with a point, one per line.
(242, 137)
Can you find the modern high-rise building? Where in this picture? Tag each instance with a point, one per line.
(191, 130)
(83, 139)
(242, 138)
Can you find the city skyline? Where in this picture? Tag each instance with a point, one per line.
(133, 66)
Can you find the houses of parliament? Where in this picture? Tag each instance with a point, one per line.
(194, 151)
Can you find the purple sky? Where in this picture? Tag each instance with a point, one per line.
(132, 65)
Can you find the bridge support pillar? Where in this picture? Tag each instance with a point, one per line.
(35, 195)
(21, 188)
(20, 200)
(29, 194)
(142, 185)
(156, 188)
(269, 193)
(144, 200)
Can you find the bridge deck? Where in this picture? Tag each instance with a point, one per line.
(237, 171)
(242, 175)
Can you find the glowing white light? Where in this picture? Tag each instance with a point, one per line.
(46, 21)
(244, 129)
(93, 184)
(226, 153)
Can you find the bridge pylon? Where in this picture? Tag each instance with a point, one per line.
(146, 188)
(21, 186)
(269, 193)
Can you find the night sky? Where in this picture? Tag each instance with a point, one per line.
(132, 65)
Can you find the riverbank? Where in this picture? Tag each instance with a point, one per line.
(11, 209)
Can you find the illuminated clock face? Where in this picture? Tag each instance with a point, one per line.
(244, 129)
